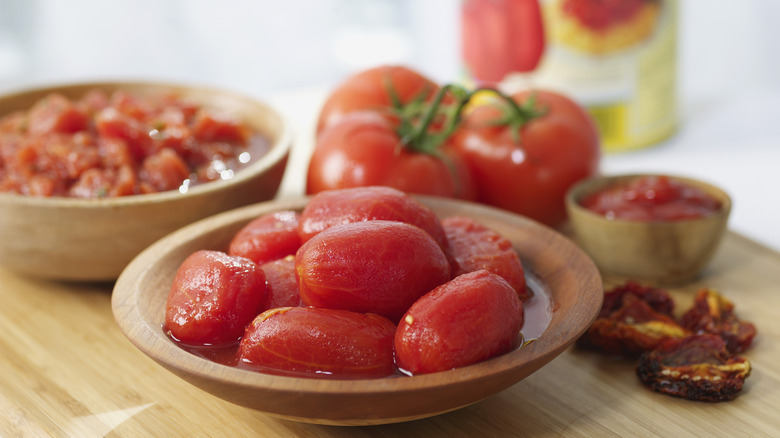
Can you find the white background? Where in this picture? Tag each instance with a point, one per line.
(290, 52)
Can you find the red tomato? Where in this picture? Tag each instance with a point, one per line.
(320, 341)
(501, 36)
(335, 207)
(281, 287)
(375, 266)
(267, 238)
(473, 246)
(529, 169)
(364, 149)
(213, 297)
(371, 90)
(474, 317)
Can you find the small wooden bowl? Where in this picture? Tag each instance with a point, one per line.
(93, 240)
(662, 252)
(564, 273)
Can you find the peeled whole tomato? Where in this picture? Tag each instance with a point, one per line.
(320, 341)
(473, 246)
(341, 206)
(374, 266)
(213, 297)
(267, 238)
(472, 318)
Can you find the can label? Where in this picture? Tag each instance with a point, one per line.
(618, 59)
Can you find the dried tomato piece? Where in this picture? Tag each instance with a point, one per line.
(633, 328)
(658, 299)
(697, 367)
(713, 313)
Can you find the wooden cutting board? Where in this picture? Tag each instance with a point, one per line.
(67, 370)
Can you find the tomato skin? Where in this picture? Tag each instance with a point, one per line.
(472, 318)
(213, 297)
(374, 266)
(267, 238)
(320, 341)
(501, 36)
(335, 207)
(473, 246)
(363, 149)
(281, 287)
(556, 150)
(368, 90)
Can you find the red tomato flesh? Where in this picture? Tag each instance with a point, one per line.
(120, 144)
(280, 283)
(213, 297)
(321, 342)
(267, 238)
(473, 246)
(472, 318)
(375, 266)
(335, 207)
(652, 198)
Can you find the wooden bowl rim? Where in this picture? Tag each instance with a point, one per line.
(148, 336)
(279, 148)
(589, 186)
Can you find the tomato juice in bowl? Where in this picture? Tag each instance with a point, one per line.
(76, 239)
(659, 228)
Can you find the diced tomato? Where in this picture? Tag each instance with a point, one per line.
(56, 114)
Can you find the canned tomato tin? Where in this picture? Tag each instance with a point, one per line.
(617, 58)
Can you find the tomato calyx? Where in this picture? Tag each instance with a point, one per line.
(514, 115)
(424, 126)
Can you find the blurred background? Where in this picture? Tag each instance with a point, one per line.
(728, 70)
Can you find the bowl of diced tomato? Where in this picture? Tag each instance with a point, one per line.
(652, 227)
(358, 306)
(92, 173)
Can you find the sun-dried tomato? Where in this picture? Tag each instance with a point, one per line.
(658, 299)
(697, 367)
(632, 328)
(713, 313)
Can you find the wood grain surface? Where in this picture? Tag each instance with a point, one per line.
(67, 370)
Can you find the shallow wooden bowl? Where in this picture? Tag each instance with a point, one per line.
(661, 252)
(561, 271)
(93, 240)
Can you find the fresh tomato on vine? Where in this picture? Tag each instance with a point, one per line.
(376, 89)
(525, 153)
(401, 146)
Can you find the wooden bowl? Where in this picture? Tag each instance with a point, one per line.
(561, 272)
(94, 239)
(662, 252)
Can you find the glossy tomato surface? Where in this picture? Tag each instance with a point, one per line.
(473, 246)
(267, 238)
(281, 285)
(365, 149)
(335, 207)
(530, 169)
(213, 297)
(372, 90)
(320, 343)
(374, 266)
(474, 317)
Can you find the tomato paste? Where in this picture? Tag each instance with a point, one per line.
(652, 198)
(110, 145)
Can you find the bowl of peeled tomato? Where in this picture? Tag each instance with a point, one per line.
(651, 227)
(92, 173)
(357, 306)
